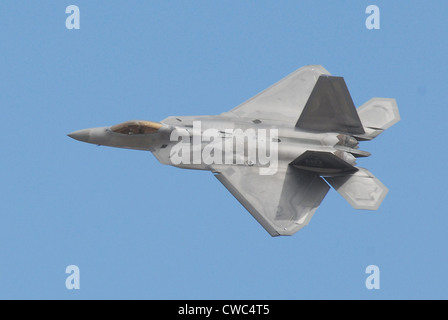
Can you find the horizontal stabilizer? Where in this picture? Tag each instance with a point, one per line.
(377, 115)
(361, 189)
(330, 108)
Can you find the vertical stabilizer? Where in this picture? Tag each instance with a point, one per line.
(330, 108)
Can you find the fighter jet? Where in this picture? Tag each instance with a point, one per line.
(279, 152)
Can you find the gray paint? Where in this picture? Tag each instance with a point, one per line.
(318, 133)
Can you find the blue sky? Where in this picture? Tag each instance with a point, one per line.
(141, 230)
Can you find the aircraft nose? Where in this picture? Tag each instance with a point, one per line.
(81, 135)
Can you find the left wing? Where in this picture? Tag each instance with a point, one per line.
(282, 203)
(285, 100)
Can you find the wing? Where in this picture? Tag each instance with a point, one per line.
(282, 203)
(330, 108)
(285, 100)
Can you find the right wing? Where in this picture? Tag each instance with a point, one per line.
(285, 100)
(282, 203)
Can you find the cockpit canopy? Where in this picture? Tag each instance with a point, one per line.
(136, 127)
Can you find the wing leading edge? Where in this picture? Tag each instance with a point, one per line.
(285, 100)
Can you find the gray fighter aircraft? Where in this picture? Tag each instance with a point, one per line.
(314, 130)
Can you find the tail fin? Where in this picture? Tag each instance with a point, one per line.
(330, 108)
(377, 115)
(361, 189)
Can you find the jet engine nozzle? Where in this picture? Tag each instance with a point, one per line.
(347, 141)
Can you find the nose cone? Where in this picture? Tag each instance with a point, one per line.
(81, 135)
(104, 136)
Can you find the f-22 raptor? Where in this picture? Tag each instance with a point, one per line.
(314, 144)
